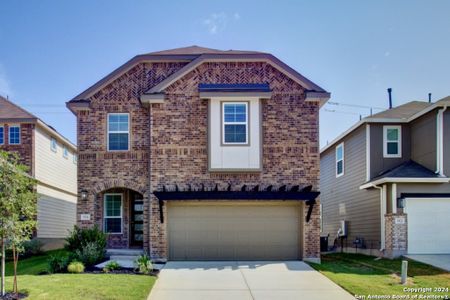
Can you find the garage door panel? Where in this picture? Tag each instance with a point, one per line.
(227, 232)
(428, 222)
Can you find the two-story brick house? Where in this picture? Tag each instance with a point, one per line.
(387, 178)
(52, 161)
(196, 153)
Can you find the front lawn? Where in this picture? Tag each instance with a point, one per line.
(76, 286)
(363, 275)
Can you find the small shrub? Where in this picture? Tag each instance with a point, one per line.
(32, 247)
(144, 264)
(111, 266)
(75, 267)
(90, 254)
(79, 238)
(57, 263)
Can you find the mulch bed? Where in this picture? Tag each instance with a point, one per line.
(93, 270)
(12, 296)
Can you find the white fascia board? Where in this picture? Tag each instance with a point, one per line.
(404, 180)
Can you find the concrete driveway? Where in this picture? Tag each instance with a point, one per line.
(441, 261)
(244, 280)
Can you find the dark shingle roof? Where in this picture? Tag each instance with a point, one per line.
(196, 50)
(9, 110)
(403, 111)
(408, 169)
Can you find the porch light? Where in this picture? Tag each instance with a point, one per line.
(84, 195)
(400, 202)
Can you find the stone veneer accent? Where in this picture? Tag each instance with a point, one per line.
(175, 150)
(396, 235)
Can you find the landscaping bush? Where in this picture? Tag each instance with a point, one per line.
(78, 238)
(111, 266)
(57, 263)
(90, 254)
(75, 267)
(32, 247)
(144, 264)
(87, 244)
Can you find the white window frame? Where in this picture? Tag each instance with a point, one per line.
(3, 128)
(385, 141)
(75, 158)
(9, 134)
(236, 123)
(65, 152)
(342, 159)
(53, 141)
(127, 132)
(106, 217)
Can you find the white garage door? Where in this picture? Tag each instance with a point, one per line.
(234, 232)
(428, 225)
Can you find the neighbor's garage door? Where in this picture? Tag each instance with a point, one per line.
(234, 232)
(428, 225)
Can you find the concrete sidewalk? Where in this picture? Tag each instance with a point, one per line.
(244, 280)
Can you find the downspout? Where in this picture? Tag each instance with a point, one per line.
(149, 206)
(382, 213)
(440, 142)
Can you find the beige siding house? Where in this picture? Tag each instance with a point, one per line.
(384, 182)
(52, 161)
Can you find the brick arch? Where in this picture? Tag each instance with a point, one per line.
(119, 183)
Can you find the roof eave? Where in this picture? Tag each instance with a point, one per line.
(404, 180)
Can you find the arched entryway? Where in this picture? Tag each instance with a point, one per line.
(120, 214)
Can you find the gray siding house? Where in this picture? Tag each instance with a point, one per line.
(384, 182)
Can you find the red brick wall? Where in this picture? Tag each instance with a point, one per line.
(25, 148)
(179, 140)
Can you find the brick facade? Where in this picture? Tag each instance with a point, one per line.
(175, 150)
(396, 235)
(25, 148)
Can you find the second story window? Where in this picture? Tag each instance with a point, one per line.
(235, 123)
(65, 152)
(118, 132)
(14, 134)
(53, 144)
(340, 160)
(2, 135)
(75, 158)
(392, 141)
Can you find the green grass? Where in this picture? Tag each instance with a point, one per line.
(363, 275)
(75, 286)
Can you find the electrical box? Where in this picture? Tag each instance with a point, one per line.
(343, 230)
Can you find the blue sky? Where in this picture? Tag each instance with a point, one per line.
(51, 51)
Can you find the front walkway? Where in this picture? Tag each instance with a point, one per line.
(244, 280)
(441, 261)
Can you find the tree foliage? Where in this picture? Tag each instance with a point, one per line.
(18, 207)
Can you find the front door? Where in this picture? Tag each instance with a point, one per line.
(137, 222)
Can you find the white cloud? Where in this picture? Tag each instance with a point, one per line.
(5, 85)
(217, 22)
(387, 53)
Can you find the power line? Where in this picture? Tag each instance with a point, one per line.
(353, 105)
(341, 112)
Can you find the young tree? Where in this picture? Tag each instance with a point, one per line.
(18, 207)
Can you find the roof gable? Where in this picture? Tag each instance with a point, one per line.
(9, 110)
(195, 56)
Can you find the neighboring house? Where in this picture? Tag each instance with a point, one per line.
(196, 153)
(387, 178)
(52, 161)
